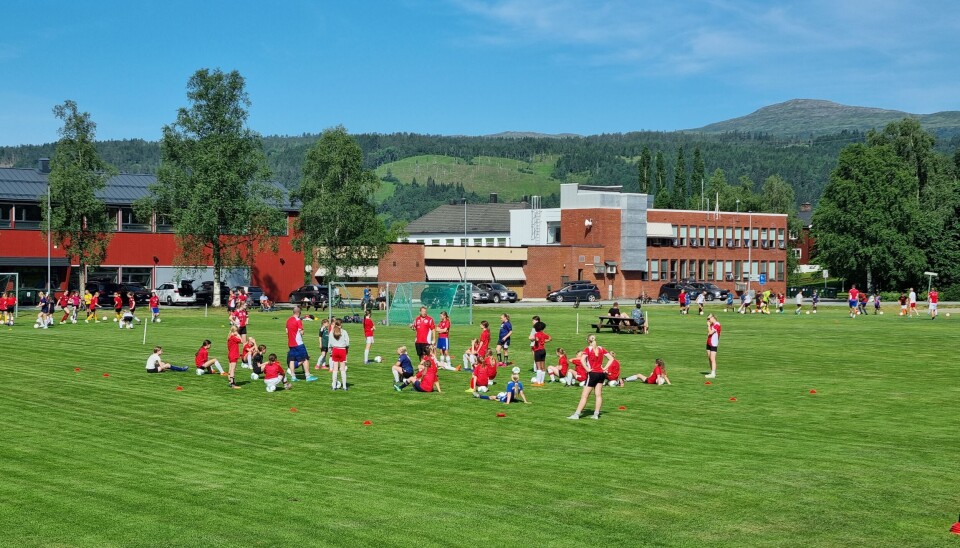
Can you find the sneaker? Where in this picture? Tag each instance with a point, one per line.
(199, 372)
(595, 416)
(574, 417)
(294, 379)
(711, 375)
(254, 376)
(471, 391)
(234, 386)
(458, 368)
(287, 386)
(311, 378)
(396, 386)
(224, 374)
(344, 388)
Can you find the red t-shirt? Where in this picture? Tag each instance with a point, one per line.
(564, 366)
(540, 340)
(854, 294)
(484, 342)
(595, 358)
(117, 302)
(201, 357)
(294, 332)
(480, 373)
(242, 297)
(682, 298)
(367, 327)
(3, 303)
(233, 347)
(713, 338)
(272, 370)
(154, 301)
(613, 370)
(132, 302)
(242, 317)
(429, 377)
(579, 370)
(94, 301)
(64, 301)
(445, 327)
(423, 325)
(657, 373)
(491, 365)
(247, 348)
(934, 297)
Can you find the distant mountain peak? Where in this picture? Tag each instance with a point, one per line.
(530, 134)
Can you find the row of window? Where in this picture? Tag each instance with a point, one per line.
(732, 237)
(713, 270)
(482, 242)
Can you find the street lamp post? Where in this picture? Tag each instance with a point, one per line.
(464, 202)
(48, 238)
(750, 252)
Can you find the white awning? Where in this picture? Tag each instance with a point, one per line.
(508, 274)
(478, 273)
(659, 230)
(443, 274)
(355, 272)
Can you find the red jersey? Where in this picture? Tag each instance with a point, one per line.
(242, 297)
(444, 328)
(242, 317)
(782, 298)
(367, 327)
(713, 338)
(272, 370)
(480, 374)
(484, 342)
(564, 366)
(201, 357)
(247, 349)
(132, 302)
(657, 373)
(117, 302)
(491, 365)
(579, 370)
(613, 370)
(294, 332)
(853, 294)
(540, 341)
(154, 301)
(934, 297)
(595, 358)
(94, 302)
(64, 301)
(682, 298)
(423, 325)
(3, 303)
(233, 348)
(428, 377)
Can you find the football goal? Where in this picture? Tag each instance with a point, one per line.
(456, 299)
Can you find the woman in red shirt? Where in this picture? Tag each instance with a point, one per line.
(540, 340)
(594, 355)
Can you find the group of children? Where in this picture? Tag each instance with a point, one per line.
(71, 303)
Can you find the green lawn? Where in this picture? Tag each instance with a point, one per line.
(127, 460)
(512, 179)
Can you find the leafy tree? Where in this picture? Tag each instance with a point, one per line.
(777, 196)
(911, 143)
(645, 165)
(719, 189)
(212, 182)
(698, 178)
(863, 223)
(680, 194)
(662, 199)
(79, 223)
(338, 221)
(744, 192)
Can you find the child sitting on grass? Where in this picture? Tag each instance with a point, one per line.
(658, 376)
(613, 371)
(559, 371)
(256, 361)
(203, 361)
(470, 357)
(273, 375)
(513, 393)
(402, 369)
(157, 365)
(425, 379)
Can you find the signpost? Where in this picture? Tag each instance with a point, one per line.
(762, 279)
(930, 276)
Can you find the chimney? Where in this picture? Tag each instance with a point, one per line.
(493, 197)
(43, 165)
(806, 206)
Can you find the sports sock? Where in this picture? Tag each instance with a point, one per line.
(499, 356)
(178, 368)
(540, 377)
(396, 376)
(218, 366)
(631, 378)
(366, 356)
(552, 377)
(343, 378)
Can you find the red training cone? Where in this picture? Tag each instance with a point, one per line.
(106, 374)
(622, 408)
(179, 389)
(956, 527)
(76, 369)
(501, 415)
(367, 423)
(733, 399)
(293, 409)
(813, 391)
(708, 382)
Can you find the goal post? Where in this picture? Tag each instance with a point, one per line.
(454, 298)
(10, 283)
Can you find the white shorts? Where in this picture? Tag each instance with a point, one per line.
(273, 383)
(933, 306)
(369, 340)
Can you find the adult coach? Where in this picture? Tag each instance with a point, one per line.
(713, 341)
(296, 351)
(503, 339)
(424, 328)
(933, 298)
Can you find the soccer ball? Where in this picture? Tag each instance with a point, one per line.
(199, 371)
(129, 326)
(614, 383)
(36, 326)
(158, 320)
(808, 312)
(533, 379)
(339, 385)
(73, 321)
(660, 380)
(271, 388)
(378, 359)
(482, 389)
(881, 312)
(515, 370)
(105, 318)
(114, 320)
(948, 314)
(254, 376)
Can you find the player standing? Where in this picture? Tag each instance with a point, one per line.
(296, 351)
(368, 330)
(594, 355)
(933, 298)
(540, 340)
(154, 307)
(503, 340)
(713, 341)
(912, 298)
(443, 340)
(853, 301)
(424, 327)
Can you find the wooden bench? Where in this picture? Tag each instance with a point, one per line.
(625, 325)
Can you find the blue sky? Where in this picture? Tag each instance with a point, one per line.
(470, 67)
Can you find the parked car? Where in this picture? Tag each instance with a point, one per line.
(177, 293)
(313, 293)
(498, 292)
(438, 296)
(713, 292)
(671, 290)
(575, 292)
(204, 293)
(140, 293)
(253, 293)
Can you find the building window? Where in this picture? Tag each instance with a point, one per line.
(780, 273)
(502, 242)
(683, 235)
(702, 236)
(6, 214)
(654, 270)
(709, 270)
(165, 224)
(130, 222)
(27, 216)
(798, 253)
(553, 233)
(772, 271)
(738, 270)
(489, 241)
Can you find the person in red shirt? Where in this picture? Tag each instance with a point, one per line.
(233, 355)
(92, 309)
(853, 300)
(480, 379)
(682, 299)
(596, 375)
(3, 309)
(154, 307)
(933, 298)
(117, 305)
(578, 375)
(247, 351)
(559, 371)
(64, 304)
(484, 340)
(443, 341)
(658, 376)
(490, 362)
(471, 356)
(424, 327)
(540, 340)
(713, 341)
(132, 305)
(273, 375)
(203, 362)
(368, 329)
(613, 371)
(426, 378)
(297, 354)
(241, 316)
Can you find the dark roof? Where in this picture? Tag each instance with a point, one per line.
(28, 185)
(448, 219)
(806, 217)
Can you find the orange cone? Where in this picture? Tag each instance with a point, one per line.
(76, 369)
(708, 382)
(622, 408)
(813, 391)
(733, 399)
(501, 415)
(367, 423)
(179, 389)
(106, 374)
(293, 409)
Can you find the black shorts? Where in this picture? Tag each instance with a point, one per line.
(406, 373)
(539, 355)
(421, 349)
(711, 348)
(594, 379)
(242, 330)
(117, 310)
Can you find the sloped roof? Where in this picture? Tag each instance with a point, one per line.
(806, 217)
(28, 185)
(448, 219)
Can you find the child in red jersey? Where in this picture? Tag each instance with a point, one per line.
(443, 342)
(491, 364)
(117, 305)
(3, 309)
(480, 379)
(132, 305)
(368, 329)
(246, 353)
(559, 371)
(540, 340)
(658, 376)
(273, 374)
(154, 307)
(594, 355)
(240, 317)
(613, 371)
(203, 361)
(64, 304)
(92, 307)
(426, 378)
(484, 340)
(233, 355)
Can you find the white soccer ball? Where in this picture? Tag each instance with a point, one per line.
(254, 376)
(515, 370)
(73, 321)
(271, 388)
(378, 359)
(158, 320)
(614, 383)
(533, 380)
(660, 380)
(948, 314)
(339, 385)
(36, 326)
(105, 318)
(881, 312)
(808, 312)
(482, 389)
(114, 320)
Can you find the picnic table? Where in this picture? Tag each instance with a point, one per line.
(617, 324)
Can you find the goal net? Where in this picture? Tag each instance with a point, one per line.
(10, 283)
(456, 299)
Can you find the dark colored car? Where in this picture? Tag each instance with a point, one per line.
(498, 292)
(713, 292)
(671, 290)
(575, 292)
(140, 293)
(204, 293)
(312, 293)
(438, 296)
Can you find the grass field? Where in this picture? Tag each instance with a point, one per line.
(127, 460)
(510, 178)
